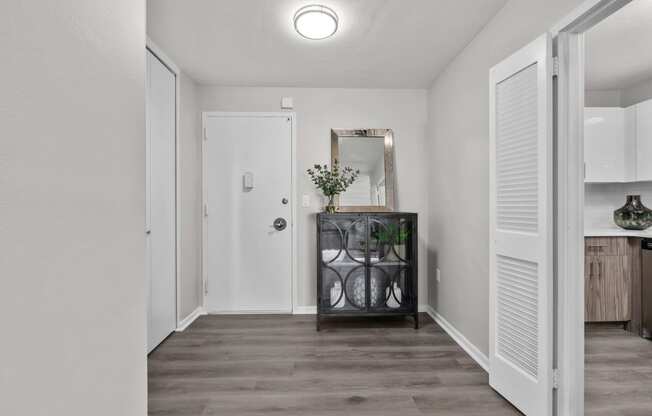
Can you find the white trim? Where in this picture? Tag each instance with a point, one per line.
(570, 199)
(185, 322)
(474, 352)
(570, 227)
(305, 310)
(162, 56)
(312, 310)
(293, 199)
(252, 312)
(586, 15)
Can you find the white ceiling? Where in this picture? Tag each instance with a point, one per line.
(380, 44)
(619, 49)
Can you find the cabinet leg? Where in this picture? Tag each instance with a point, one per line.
(318, 327)
(416, 321)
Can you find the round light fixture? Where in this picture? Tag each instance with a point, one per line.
(316, 22)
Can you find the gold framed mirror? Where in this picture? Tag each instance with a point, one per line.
(371, 151)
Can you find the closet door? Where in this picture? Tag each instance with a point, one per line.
(521, 274)
(160, 201)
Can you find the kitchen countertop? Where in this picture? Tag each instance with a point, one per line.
(614, 231)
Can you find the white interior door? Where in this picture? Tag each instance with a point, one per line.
(521, 273)
(248, 182)
(160, 201)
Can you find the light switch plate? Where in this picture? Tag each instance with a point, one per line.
(305, 201)
(438, 275)
(287, 103)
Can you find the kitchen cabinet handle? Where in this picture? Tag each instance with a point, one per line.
(590, 270)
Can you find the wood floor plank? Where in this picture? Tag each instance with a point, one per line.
(267, 365)
(618, 372)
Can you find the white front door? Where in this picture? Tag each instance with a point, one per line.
(521, 189)
(160, 197)
(248, 183)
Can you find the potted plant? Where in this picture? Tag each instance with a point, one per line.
(394, 236)
(332, 182)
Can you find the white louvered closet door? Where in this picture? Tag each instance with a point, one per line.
(521, 273)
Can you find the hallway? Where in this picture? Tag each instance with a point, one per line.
(262, 365)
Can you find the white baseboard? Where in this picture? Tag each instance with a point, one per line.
(305, 310)
(312, 310)
(185, 322)
(251, 312)
(475, 353)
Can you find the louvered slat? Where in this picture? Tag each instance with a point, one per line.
(517, 328)
(516, 152)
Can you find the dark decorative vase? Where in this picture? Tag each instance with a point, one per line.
(633, 215)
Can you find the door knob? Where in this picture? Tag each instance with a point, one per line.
(280, 224)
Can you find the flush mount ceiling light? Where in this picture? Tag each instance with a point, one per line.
(316, 22)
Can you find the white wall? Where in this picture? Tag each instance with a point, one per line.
(603, 98)
(637, 93)
(602, 199)
(459, 164)
(319, 110)
(72, 208)
(190, 198)
(625, 97)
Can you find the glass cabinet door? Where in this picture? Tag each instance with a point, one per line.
(343, 242)
(391, 238)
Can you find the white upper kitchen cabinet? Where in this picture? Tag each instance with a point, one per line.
(604, 145)
(644, 141)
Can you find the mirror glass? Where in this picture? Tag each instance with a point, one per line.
(366, 154)
(369, 151)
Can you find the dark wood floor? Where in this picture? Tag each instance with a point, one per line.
(618, 373)
(279, 365)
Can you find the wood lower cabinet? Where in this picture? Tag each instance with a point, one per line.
(609, 273)
(607, 289)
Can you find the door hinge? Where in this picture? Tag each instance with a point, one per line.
(205, 210)
(205, 135)
(555, 378)
(205, 287)
(555, 66)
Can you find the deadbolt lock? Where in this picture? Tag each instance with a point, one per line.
(280, 224)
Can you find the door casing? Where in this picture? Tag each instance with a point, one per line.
(569, 203)
(293, 198)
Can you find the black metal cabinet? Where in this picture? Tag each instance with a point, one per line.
(367, 264)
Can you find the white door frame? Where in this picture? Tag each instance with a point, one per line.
(158, 52)
(293, 197)
(569, 138)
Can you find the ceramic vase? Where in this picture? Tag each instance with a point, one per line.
(633, 215)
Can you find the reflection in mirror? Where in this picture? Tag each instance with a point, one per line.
(366, 154)
(371, 152)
